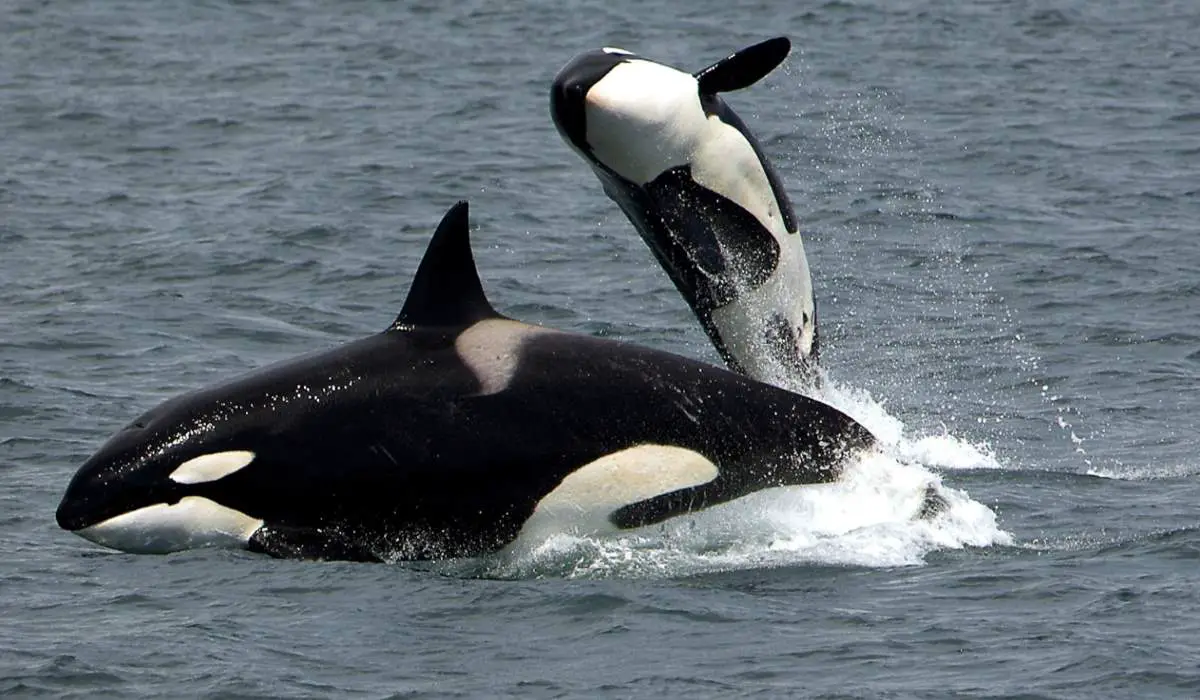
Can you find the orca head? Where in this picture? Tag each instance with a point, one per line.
(628, 116)
(569, 93)
(213, 467)
(152, 488)
(637, 118)
(665, 145)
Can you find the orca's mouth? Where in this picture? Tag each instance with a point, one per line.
(90, 501)
(160, 528)
(76, 513)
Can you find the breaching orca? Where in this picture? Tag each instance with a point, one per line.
(695, 183)
(443, 435)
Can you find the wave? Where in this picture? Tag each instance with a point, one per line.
(869, 518)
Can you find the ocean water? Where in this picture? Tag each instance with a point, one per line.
(999, 201)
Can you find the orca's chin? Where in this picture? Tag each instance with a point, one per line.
(161, 528)
(73, 514)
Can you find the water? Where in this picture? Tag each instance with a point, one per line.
(999, 201)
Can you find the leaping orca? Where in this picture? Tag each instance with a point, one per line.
(695, 183)
(444, 435)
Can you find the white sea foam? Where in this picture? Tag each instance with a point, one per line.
(939, 451)
(868, 518)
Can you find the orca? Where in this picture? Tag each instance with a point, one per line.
(695, 183)
(444, 435)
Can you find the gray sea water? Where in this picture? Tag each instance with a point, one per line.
(1000, 202)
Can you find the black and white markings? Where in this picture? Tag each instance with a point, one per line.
(586, 499)
(191, 523)
(695, 183)
(491, 349)
(446, 436)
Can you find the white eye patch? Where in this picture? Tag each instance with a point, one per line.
(211, 467)
(615, 51)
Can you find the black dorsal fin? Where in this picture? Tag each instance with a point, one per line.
(744, 68)
(446, 290)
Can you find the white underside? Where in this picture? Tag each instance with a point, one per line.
(158, 529)
(583, 501)
(644, 118)
(745, 324)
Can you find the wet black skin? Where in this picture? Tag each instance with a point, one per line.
(385, 447)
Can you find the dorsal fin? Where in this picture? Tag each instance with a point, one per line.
(446, 290)
(743, 68)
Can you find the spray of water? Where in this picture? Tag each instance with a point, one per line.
(867, 518)
(871, 516)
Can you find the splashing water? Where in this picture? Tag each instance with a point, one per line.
(867, 518)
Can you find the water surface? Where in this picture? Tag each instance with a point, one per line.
(999, 200)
